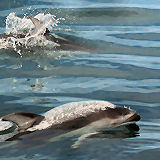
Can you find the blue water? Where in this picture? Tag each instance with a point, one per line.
(124, 68)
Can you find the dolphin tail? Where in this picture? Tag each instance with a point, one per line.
(24, 120)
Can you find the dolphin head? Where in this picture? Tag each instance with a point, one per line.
(114, 117)
(123, 115)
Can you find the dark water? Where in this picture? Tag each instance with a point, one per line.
(124, 68)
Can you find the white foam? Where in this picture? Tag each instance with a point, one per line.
(71, 111)
(16, 25)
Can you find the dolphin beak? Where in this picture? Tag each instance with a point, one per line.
(134, 118)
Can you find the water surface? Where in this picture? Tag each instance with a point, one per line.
(124, 68)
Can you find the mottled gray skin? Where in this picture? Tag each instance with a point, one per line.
(111, 117)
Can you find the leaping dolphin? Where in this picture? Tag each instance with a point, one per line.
(85, 117)
(20, 41)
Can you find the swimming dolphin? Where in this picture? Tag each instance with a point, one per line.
(21, 41)
(85, 117)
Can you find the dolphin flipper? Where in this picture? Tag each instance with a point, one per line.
(24, 120)
(82, 138)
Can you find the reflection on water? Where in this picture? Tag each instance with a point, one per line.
(123, 68)
(31, 143)
(128, 131)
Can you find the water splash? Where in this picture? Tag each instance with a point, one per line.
(17, 25)
(30, 39)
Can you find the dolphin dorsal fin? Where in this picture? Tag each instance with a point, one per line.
(37, 23)
(39, 27)
(24, 120)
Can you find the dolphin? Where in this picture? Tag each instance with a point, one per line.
(85, 118)
(21, 41)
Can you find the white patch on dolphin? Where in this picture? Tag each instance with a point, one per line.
(71, 111)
